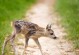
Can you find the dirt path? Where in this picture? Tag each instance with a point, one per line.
(42, 14)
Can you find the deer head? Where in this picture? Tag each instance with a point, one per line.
(50, 32)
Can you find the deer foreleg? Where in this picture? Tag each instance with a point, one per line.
(37, 42)
(26, 44)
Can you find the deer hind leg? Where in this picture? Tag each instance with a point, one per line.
(13, 45)
(4, 44)
(37, 42)
(6, 41)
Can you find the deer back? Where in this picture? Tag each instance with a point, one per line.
(24, 27)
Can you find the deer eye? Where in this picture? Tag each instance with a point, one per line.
(51, 33)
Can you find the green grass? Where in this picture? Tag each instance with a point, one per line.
(69, 11)
(11, 10)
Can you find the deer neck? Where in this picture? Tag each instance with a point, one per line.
(45, 33)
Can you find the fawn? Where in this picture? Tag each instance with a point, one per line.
(29, 30)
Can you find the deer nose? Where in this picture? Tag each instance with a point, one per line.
(54, 37)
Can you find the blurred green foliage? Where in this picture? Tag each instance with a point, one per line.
(69, 11)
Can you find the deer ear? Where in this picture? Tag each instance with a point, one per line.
(48, 26)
